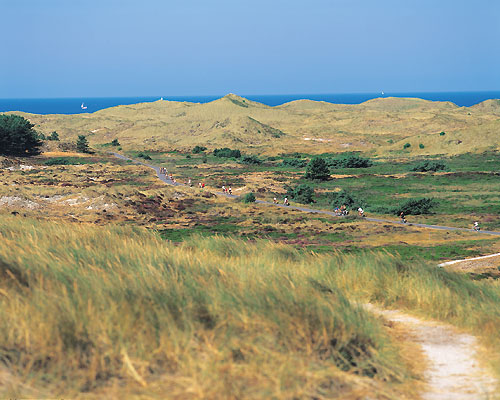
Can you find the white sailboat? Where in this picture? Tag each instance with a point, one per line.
(84, 107)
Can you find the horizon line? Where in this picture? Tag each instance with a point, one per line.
(252, 95)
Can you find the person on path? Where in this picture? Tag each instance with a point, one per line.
(285, 202)
(275, 201)
(476, 226)
(402, 216)
(230, 190)
(223, 189)
(361, 212)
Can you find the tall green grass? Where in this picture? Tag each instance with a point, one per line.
(119, 311)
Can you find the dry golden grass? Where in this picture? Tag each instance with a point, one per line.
(305, 126)
(88, 311)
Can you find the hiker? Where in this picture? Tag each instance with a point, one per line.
(361, 213)
(223, 189)
(199, 185)
(275, 201)
(189, 183)
(285, 202)
(476, 226)
(402, 216)
(230, 190)
(202, 185)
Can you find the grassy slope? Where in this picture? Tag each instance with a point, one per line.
(119, 311)
(381, 125)
(83, 308)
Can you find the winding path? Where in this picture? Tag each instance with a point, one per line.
(308, 210)
(453, 372)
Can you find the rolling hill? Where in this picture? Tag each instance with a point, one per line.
(380, 126)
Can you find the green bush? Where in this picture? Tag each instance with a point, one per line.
(406, 145)
(430, 166)
(317, 169)
(294, 162)
(349, 161)
(346, 198)
(254, 160)
(54, 136)
(17, 136)
(115, 142)
(421, 146)
(227, 152)
(301, 193)
(144, 156)
(249, 198)
(442, 133)
(198, 149)
(82, 144)
(416, 206)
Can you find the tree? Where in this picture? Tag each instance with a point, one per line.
(115, 142)
(317, 169)
(17, 136)
(82, 144)
(54, 136)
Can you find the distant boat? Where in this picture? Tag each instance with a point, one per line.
(161, 98)
(83, 107)
(383, 93)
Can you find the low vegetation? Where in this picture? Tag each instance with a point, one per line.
(233, 319)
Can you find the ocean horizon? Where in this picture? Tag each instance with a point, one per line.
(93, 104)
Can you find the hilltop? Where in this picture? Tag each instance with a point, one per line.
(379, 126)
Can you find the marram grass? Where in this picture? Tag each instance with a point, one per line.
(116, 311)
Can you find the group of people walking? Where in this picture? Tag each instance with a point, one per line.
(227, 190)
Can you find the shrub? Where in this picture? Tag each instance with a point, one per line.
(188, 156)
(227, 152)
(442, 133)
(406, 145)
(198, 149)
(144, 156)
(249, 198)
(17, 136)
(54, 136)
(416, 206)
(343, 197)
(251, 160)
(115, 142)
(294, 162)
(349, 161)
(317, 169)
(421, 146)
(82, 144)
(427, 166)
(204, 159)
(301, 193)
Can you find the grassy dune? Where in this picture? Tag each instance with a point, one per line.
(380, 125)
(114, 311)
(117, 311)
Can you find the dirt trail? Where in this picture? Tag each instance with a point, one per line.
(453, 372)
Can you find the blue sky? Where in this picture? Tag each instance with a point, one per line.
(61, 48)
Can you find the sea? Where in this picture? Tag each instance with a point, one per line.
(93, 104)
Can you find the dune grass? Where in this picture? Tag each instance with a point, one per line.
(88, 309)
(118, 310)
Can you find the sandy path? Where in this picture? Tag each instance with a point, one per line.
(453, 372)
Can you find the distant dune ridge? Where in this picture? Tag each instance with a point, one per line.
(381, 126)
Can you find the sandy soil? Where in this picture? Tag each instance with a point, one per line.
(453, 369)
